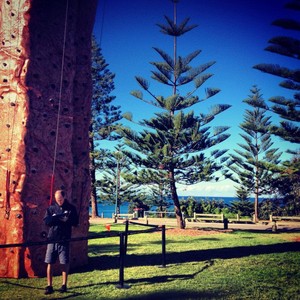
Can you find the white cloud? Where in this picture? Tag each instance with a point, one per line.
(210, 189)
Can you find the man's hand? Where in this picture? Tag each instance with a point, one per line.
(64, 216)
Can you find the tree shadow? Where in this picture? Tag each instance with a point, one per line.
(156, 279)
(178, 295)
(103, 248)
(57, 295)
(106, 262)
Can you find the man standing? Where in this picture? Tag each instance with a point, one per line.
(60, 217)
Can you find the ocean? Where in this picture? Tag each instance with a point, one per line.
(107, 210)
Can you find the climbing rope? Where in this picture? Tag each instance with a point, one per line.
(102, 23)
(59, 104)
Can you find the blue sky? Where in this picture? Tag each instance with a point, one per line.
(232, 33)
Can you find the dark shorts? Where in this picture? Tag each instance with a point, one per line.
(55, 251)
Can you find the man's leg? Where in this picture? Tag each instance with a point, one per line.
(50, 258)
(64, 255)
(49, 274)
(49, 288)
(65, 272)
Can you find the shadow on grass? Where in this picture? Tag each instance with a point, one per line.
(103, 248)
(177, 295)
(57, 295)
(156, 279)
(200, 238)
(106, 262)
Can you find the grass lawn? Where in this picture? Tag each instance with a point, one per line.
(200, 265)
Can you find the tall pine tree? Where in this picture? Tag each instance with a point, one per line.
(104, 115)
(253, 164)
(175, 142)
(287, 109)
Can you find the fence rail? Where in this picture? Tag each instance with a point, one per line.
(284, 218)
(208, 217)
(147, 213)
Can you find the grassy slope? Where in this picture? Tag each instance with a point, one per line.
(237, 265)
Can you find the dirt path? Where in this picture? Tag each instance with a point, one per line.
(262, 226)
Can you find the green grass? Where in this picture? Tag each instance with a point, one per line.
(232, 265)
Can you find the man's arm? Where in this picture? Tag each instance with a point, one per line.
(50, 219)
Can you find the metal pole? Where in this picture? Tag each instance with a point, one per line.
(121, 284)
(163, 243)
(117, 191)
(126, 236)
(225, 222)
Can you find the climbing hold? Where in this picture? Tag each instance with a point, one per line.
(43, 234)
(12, 104)
(7, 125)
(7, 149)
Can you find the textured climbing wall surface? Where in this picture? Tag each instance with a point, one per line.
(45, 93)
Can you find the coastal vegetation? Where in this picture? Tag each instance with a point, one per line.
(177, 146)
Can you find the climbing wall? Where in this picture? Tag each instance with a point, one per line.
(45, 94)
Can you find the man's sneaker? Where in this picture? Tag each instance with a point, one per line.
(49, 290)
(63, 289)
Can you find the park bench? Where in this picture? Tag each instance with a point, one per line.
(208, 217)
(284, 218)
(124, 216)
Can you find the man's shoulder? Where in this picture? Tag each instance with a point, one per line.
(53, 207)
(68, 205)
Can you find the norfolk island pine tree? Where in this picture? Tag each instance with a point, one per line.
(174, 141)
(104, 116)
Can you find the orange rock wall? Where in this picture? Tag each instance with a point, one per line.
(41, 103)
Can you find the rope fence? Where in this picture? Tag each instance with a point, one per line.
(122, 246)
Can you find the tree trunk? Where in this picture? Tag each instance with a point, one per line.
(256, 206)
(256, 192)
(93, 181)
(178, 213)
